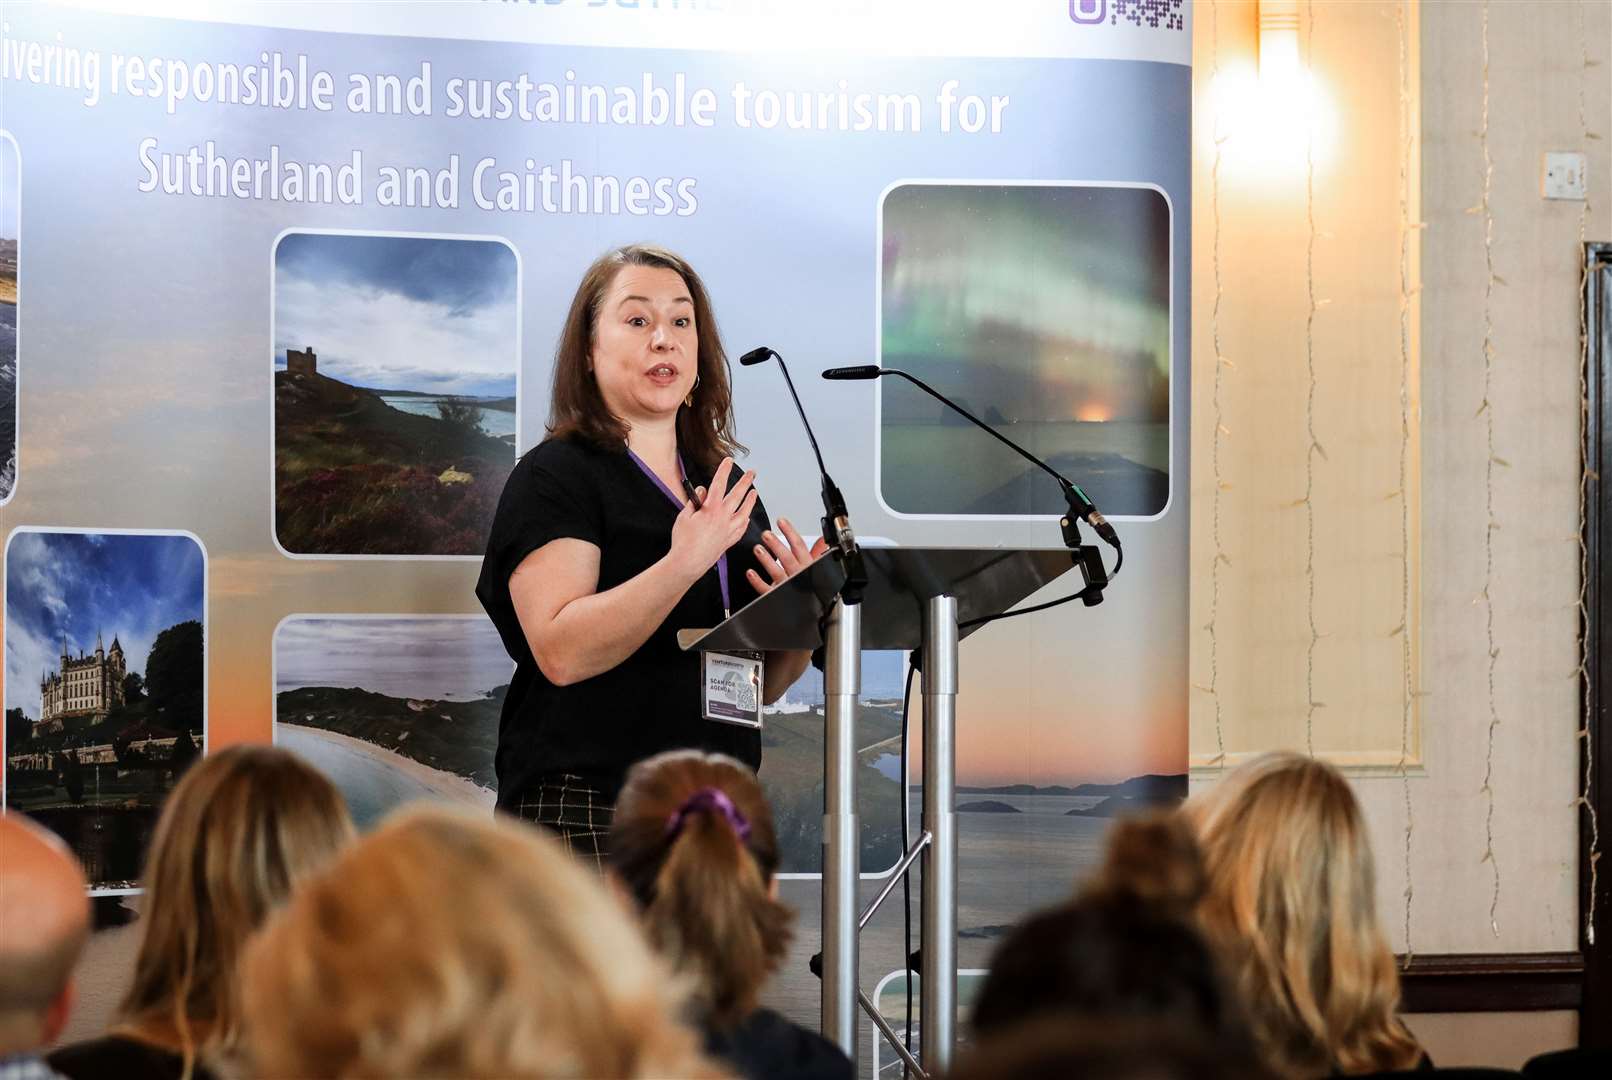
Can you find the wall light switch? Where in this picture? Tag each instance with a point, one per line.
(1563, 175)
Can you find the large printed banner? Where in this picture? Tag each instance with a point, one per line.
(279, 290)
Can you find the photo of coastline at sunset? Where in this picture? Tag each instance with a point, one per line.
(392, 708)
(1045, 312)
(1041, 777)
(396, 363)
(105, 666)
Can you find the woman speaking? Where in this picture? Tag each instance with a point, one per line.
(627, 523)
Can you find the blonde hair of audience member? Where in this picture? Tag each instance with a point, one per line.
(701, 870)
(44, 920)
(236, 834)
(1292, 905)
(451, 944)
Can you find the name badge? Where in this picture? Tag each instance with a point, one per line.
(732, 687)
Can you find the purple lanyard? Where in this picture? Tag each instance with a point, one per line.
(721, 563)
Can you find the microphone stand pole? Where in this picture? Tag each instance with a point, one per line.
(842, 683)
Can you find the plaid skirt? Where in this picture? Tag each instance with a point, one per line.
(572, 809)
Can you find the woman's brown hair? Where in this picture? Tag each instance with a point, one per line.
(237, 833)
(693, 840)
(576, 407)
(1291, 904)
(447, 943)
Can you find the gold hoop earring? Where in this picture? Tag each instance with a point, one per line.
(688, 400)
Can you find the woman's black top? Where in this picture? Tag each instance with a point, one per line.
(648, 703)
(123, 1058)
(768, 1047)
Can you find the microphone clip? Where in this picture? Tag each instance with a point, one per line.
(1088, 558)
(842, 542)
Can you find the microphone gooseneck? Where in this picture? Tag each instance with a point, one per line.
(756, 356)
(836, 524)
(1080, 506)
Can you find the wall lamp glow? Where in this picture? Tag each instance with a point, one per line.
(1279, 41)
(1274, 119)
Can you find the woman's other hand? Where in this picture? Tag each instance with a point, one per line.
(782, 557)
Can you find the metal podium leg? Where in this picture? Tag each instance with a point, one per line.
(938, 943)
(842, 678)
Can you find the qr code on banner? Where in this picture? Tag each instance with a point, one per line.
(1157, 14)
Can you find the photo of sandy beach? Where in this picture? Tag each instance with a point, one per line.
(396, 371)
(10, 231)
(1044, 310)
(105, 692)
(393, 708)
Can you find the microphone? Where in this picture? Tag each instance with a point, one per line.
(1080, 505)
(836, 518)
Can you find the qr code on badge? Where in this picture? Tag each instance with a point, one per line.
(1156, 14)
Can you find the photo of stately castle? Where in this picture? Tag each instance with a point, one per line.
(88, 685)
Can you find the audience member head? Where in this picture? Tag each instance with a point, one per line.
(241, 828)
(693, 841)
(44, 919)
(1125, 949)
(451, 944)
(1054, 1045)
(1291, 903)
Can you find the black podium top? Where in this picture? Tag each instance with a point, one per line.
(901, 581)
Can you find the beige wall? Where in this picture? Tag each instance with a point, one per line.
(1267, 665)
(1495, 1040)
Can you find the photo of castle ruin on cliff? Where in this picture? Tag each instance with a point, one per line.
(10, 222)
(105, 686)
(395, 370)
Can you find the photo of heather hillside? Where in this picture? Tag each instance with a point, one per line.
(395, 377)
(10, 222)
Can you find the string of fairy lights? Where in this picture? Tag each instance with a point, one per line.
(1409, 287)
(1313, 449)
(1408, 693)
(1220, 430)
(1586, 477)
(1491, 524)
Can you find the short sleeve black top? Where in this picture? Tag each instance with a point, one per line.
(650, 702)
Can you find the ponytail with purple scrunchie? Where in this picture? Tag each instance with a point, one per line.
(709, 799)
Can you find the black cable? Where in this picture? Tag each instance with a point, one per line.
(983, 619)
(997, 435)
(906, 845)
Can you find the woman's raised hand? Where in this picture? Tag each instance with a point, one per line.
(782, 558)
(699, 537)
